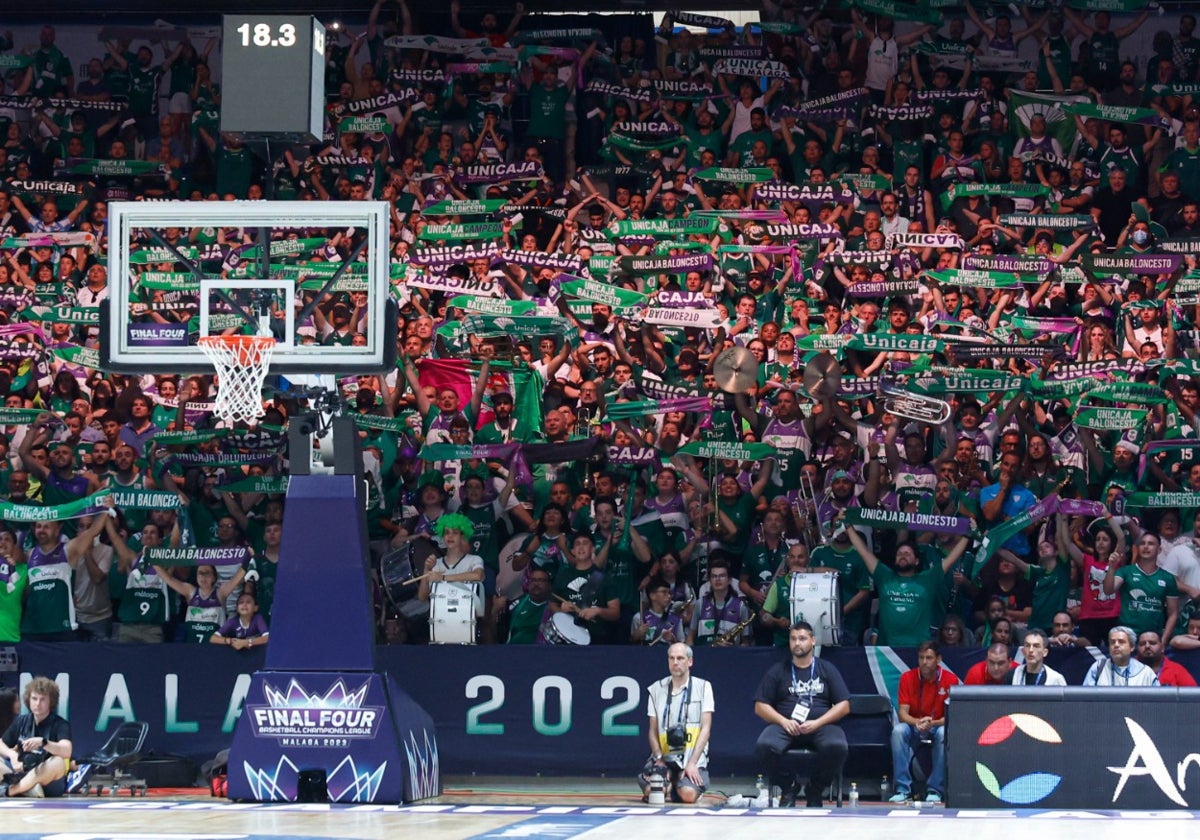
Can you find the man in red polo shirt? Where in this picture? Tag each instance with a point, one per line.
(996, 669)
(1150, 653)
(922, 720)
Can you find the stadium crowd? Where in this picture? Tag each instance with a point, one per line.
(962, 268)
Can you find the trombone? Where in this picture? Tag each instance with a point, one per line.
(807, 504)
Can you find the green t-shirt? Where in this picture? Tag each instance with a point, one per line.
(906, 605)
(1049, 593)
(761, 562)
(525, 618)
(548, 111)
(143, 89)
(10, 600)
(1144, 598)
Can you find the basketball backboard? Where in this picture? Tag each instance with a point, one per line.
(182, 270)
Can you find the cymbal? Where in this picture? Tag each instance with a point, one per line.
(822, 376)
(736, 370)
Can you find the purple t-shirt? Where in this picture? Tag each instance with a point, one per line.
(233, 629)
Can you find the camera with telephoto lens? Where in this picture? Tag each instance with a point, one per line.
(677, 737)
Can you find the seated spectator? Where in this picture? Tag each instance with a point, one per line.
(996, 669)
(1120, 668)
(921, 719)
(246, 629)
(1035, 671)
(1150, 652)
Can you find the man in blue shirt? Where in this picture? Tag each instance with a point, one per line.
(1008, 498)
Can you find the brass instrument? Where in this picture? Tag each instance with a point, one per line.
(912, 406)
(730, 636)
(807, 493)
(713, 526)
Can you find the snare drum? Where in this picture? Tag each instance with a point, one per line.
(814, 598)
(452, 613)
(561, 629)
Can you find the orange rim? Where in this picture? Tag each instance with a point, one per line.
(245, 349)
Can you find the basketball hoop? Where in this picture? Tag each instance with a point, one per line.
(242, 362)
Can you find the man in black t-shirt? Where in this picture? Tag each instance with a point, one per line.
(36, 749)
(802, 700)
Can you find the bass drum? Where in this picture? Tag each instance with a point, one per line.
(452, 612)
(561, 629)
(509, 582)
(814, 598)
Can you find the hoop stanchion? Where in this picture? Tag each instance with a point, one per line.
(242, 362)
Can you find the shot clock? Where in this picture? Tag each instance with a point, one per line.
(272, 77)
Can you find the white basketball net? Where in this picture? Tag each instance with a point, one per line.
(242, 363)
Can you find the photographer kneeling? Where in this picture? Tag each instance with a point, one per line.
(680, 710)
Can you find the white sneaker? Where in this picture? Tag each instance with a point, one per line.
(36, 792)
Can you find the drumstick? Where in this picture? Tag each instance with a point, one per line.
(414, 580)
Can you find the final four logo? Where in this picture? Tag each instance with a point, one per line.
(310, 719)
(1031, 787)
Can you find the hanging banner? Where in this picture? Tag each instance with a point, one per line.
(663, 265)
(751, 67)
(1118, 114)
(735, 176)
(1110, 419)
(901, 343)
(1038, 265)
(689, 226)
(728, 450)
(453, 207)
(493, 306)
(498, 173)
(219, 556)
(479, 286)
(620, 91)
(1136, 392)
(943, 241)
(810, 194)
(672, 89)
(1178, 501)
(97, 503)
(443, 256)
(974, 279)
(458, 232)
(886, 288)
(598, 292)
(894, 520)
(813, 231)
(1134, 264)
(683, 318)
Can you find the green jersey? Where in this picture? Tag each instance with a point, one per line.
(524, 620)
(906, 605)
(1144, 598)
(1049, 593)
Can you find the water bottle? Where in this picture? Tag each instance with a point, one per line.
(885, 789)
(763, 797)
(854, 794)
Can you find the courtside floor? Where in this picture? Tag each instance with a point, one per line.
(511, 807)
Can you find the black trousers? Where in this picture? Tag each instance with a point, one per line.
(829, 742)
